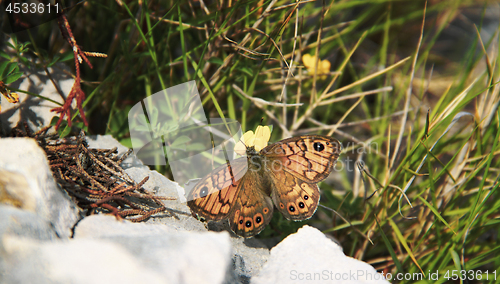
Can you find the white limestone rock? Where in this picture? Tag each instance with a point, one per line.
(75, 261)
(178, 255)
(23, 223)
(310, 256)
(27, 183)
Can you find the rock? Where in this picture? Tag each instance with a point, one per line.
(76, 261)
(17, 223)
(249, 257)
(15, 190)
(26, 182)
(107, 142)
(310, 256)
(107, 226)
(178, 255)
(23, 223)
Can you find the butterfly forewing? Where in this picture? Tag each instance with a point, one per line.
(310, 158)
(214, 196)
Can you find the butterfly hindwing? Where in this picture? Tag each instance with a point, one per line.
(252, 210)
(296, 199)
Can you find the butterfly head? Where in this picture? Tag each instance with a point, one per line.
(251, 151)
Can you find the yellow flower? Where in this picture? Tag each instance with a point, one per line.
(258, 140)
(323, 65)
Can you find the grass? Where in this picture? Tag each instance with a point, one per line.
(418, 117)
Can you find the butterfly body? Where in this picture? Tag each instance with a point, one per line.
(284, 174)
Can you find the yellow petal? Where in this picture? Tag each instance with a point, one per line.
(309, 62)
(324, 67)
(262, 136)
(241, 146)
(258, 140)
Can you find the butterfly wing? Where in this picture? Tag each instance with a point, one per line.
(214, 196)
(294, 198)
(310, 158)
(253, 209)
(294, 166)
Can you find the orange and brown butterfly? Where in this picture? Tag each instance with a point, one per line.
(284, 174)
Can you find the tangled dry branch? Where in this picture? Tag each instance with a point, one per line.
(94, 178)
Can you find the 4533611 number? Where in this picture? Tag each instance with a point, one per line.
(470, 275)
(25, 8)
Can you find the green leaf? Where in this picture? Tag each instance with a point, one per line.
(11, 67)
(55, 59)
(54, 120)
(127, 142)
(247, 71)
(456, 258)
(65, 131)
(67, 56)
(390, 249)
(137, 143)
(11, 45)
(24, 47)
(13, 77)
(402, 240)
(180, 143)
(3, 65)
(4, 55)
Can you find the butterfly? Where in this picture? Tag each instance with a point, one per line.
(284, 174)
